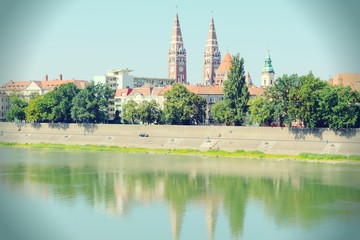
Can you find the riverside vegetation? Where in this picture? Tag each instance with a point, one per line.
(305, 100)
(210, 153)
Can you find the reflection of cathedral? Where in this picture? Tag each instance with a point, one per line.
(223, 192)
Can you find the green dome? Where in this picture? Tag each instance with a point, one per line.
(268, 65)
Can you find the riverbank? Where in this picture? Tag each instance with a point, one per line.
(268, 140)
(328, 158)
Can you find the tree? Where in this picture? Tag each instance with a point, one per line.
(221, 113)
(59, 102)
(198, 109)
(90, 105)
(33, 110)
(183, 107)
(17, 108)
(149, 112)
(304, 101)
(130, 112)
(236, 93)
(260, 111)
(278, 101)
(339, 107)
(117, 118)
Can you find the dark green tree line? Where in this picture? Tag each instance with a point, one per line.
(306, 101)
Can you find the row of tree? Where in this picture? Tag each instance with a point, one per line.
(181, 107)
(306, 101)
(66, 103)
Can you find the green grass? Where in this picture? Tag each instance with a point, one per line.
(239, 153)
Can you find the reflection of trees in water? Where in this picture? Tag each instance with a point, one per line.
(289, 201)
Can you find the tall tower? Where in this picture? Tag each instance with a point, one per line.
(177, 55)
(212, 56)
(268, 73)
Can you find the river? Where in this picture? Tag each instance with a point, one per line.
(101, 195)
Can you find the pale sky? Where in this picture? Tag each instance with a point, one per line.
(83, 38)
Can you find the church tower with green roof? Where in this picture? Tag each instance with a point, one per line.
(268, 73)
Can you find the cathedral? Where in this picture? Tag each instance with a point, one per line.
(215, 70)
(177, 55)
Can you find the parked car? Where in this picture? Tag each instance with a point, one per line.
(143, 135)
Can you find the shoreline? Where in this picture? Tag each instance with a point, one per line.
(304, 157)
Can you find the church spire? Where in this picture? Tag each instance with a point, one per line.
(177, 54)
(212, 56)
(268, 73)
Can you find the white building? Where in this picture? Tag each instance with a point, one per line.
(116, 79)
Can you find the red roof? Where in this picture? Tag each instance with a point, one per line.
(255, 91)
(45, 85)
(225, 64)
(123, 92)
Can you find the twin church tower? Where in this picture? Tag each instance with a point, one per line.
(177, 55)
(212, 59)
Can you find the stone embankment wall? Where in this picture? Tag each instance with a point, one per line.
(229, 138)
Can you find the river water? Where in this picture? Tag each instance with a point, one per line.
(101, 195)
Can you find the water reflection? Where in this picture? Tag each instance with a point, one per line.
(291, 193)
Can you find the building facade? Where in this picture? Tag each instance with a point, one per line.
(177, 55)
(212, 56)
(4, 105)
(41, 87)
(346, 79)
(154, 82)
(268, 73)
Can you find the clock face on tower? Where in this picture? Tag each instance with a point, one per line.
(181, 69)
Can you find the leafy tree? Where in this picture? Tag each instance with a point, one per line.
(277, 99)
(33, 110)
(236, 92)
(221, 113)
(130, 112)
(260, 111)
(90, 105)
(183, 107)
(339, 107)
(149, 112)
(304, 101)
(198, 109)
(17, 108)
(59, 102)
(34, 95)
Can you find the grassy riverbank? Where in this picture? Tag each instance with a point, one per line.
(209, 153)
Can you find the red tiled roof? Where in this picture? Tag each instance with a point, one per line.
(119, 92)
(141, 90)
(205, 90)
(165, 89)
(198, 89)
(225, 64)
(46, 85)
(16, 85)
(255, 91)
